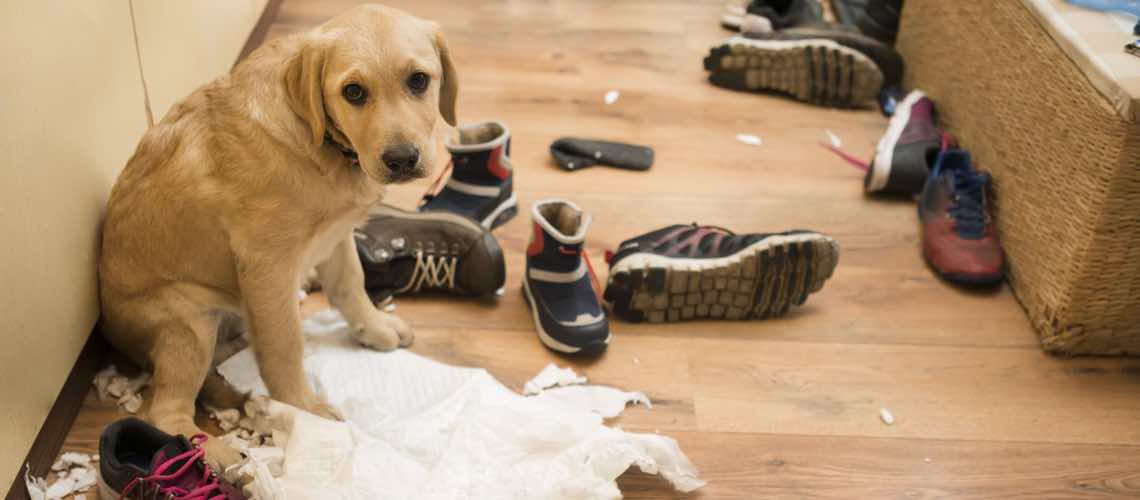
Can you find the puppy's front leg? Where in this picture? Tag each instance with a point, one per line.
(343, 280)
(269, 296)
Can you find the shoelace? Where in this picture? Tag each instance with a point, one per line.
(435, 271)
(593, 276)
(209, 487)
(968, 209)
(437, 184)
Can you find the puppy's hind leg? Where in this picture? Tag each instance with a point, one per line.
(181, 356)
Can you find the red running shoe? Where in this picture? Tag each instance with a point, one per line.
(958, 238)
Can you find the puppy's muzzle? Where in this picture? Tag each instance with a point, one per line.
(402, 161)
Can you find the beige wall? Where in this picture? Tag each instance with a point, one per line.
(72, 105)
(184, 44)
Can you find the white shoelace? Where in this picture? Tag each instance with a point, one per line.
(433, 271)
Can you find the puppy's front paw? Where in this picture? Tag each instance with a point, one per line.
(383, 332)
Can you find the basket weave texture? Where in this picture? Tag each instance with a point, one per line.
(1066, 166)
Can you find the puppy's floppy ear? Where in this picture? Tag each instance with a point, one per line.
(304, 87)
(449, 86)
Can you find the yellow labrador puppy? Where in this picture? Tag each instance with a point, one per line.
(255, 178)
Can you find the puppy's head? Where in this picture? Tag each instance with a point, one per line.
(373, 80)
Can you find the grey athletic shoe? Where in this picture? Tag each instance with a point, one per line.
(818, 71)
(409, 252)
(884, 56)
(705, 272)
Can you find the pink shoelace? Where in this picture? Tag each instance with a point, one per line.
(207, 488)
(947, 141)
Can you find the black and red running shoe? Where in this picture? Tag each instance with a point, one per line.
(695, 272)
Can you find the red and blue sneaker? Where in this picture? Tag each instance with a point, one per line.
(139, 461)
(480, 183)
(697, 272)
(958, 237)
(560, 285)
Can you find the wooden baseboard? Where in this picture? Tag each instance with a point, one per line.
(257, 36)
(62, 415)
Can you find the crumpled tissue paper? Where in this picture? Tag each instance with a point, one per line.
(417, 428)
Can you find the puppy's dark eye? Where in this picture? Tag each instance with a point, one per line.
(355, 94)
(418, 82)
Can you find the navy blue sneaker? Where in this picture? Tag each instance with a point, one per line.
(480, 185)
(560, 284)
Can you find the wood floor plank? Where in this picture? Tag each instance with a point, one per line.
(745, 465)
(933, 392)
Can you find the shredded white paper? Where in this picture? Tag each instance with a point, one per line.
(552, 376)
(75, 473)
(416, 428)
(835, 141)
(612, 97)
(109, 383)
(750, 139)
(886, 416)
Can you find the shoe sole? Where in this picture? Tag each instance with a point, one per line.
(818, 71)
(502, 214)
(591, 349)
(761, 281)
(880, 170)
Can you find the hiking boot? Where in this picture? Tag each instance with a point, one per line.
(771, 15)
(818, 71)
(696, 272)
(405, 252)
(560, 285)
(908, 148)
(139, 461)
(958, 237)
(889, 62)
(480, 182)
(880, 20)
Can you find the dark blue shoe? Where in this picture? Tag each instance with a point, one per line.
(479, 186)
(560, 284)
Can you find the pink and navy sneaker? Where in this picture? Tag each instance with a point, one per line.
(480, 183)
(696, 272)
(958, 237)
(905, 153)
(138, 461)
(560, 285)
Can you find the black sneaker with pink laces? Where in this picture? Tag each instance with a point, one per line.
(697, 272)
(138, 461)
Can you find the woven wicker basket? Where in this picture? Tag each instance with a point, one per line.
(1066, 165)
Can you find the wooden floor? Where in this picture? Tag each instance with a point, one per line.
(780, 408)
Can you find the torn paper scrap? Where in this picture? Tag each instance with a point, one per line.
(750, 139)
(37, 486)
(886, 416)
(552, 376)
(417, 428)
(607, 402)
(109, 383)
(611, 97)
(835, 141)
(70, 459)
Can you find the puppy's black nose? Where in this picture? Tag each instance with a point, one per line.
(401, 158)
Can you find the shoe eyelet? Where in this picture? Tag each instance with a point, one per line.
(398, 244)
